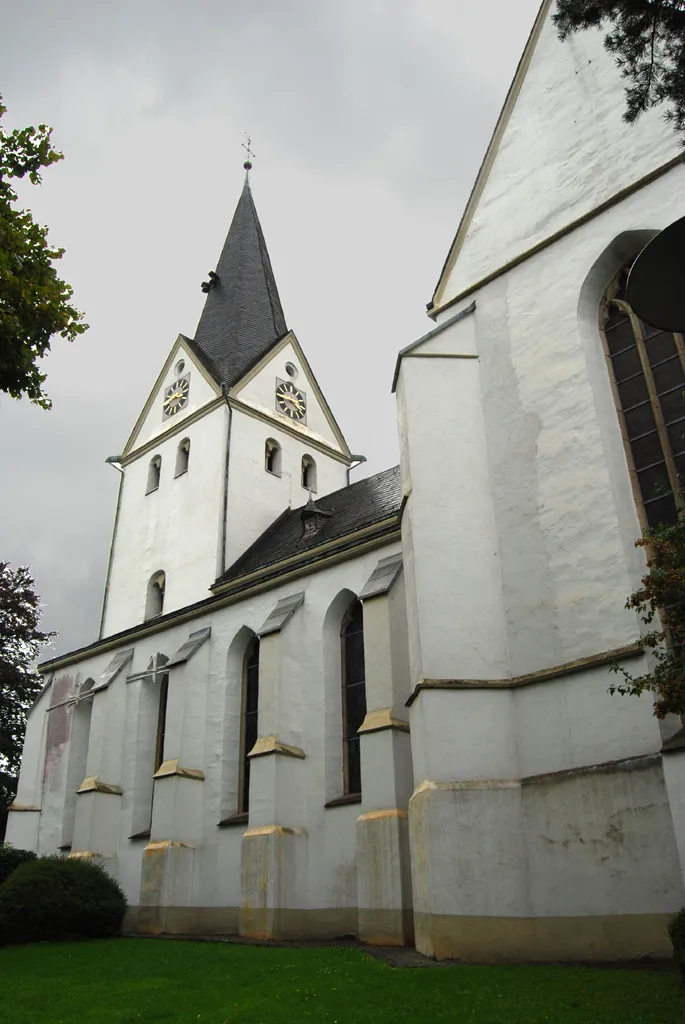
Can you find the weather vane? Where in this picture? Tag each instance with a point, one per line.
(248, 163)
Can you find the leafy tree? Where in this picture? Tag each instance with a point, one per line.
(20, 643)
(647, 37)
(660, 602)
(34, 302)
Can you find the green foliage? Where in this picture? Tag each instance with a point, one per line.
(54, 898)
(676, 931)
(660, 603)
(11, 858)
(20, 643)
(647, 38)
(34, 302)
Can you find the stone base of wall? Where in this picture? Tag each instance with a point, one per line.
(285, 924)
(386, 927)
(181, 921)
(471, 939)
(491, 939)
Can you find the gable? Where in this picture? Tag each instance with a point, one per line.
(203, 390)
(258, 389)
(560, 149)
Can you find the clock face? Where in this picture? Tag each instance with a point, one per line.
(176, 396)
(290, 401)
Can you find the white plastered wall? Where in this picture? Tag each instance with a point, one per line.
(176, 528)
(450, 551)
(256, 497)
(565, 515)
(305, 718)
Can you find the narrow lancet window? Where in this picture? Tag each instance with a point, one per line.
(353, 694)
(308, 473)
(182, 457)
(248, 722)
(154, 604)
(272, 457)
(161, 721)
(153, 474)
(648, 376)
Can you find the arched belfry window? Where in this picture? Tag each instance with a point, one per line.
(153, 474)
(353, 694)
(648, 375)
(249, 728)
(182, 457)
(154, 603)
(272, 457)
(308, 473)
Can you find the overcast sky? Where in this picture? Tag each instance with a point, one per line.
(369, 119)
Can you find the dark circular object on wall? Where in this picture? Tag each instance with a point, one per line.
(656, 283)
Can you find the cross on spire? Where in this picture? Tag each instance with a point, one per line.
(247, 146)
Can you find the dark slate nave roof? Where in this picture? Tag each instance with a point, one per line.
(362, 504)
(242, 316)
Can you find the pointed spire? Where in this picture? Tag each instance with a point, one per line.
(243, 316)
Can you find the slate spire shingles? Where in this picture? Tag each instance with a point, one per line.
(242, 316)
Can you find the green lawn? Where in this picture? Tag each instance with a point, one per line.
(145, 981)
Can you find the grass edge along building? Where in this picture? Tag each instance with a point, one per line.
(319, 708)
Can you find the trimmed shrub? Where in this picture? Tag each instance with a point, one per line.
(53, 898)
(676, 931)
(11, 858)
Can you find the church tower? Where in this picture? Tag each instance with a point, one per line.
(234, 432)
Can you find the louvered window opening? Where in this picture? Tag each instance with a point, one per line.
(649, 374)
(250, 724)
(354, 695)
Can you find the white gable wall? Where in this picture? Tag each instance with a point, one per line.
(201, 392)
(564, 151)
(260, 390)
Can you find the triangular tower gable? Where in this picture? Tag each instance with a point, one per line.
(559, 150)
(258, 388)
(184, 361)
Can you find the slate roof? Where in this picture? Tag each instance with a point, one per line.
(363, 503)
(242, 316)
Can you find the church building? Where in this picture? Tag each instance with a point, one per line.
(321, 708)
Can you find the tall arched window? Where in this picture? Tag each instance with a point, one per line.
(308, 473)
(272, 457)
(161, 721)
(353, 694)
(153, 474)
(648, 376)
(182, 457)
(154, 604)
(248, 720)
(79, 737)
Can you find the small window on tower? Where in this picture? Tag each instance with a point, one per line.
(182, 457)
(153, 474)
(154, 604)
(308, 473)
(272, 457)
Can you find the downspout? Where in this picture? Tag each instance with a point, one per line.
(224, 511)
(113, 460)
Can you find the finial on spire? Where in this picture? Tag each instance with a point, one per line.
(248, 163)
